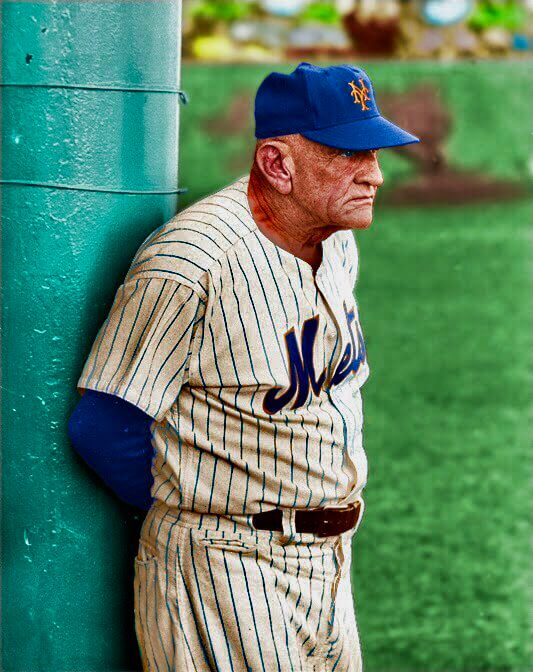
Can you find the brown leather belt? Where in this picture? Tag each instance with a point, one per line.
(324, 522)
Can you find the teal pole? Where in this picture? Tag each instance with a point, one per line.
(90, 100)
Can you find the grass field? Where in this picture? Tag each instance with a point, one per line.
(442, 562)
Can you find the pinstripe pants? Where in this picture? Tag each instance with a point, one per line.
(213, 593)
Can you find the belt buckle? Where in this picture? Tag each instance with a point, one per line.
(352, 506)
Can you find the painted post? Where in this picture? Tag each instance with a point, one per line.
(90, 110)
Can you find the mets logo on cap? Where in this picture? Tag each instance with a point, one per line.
(360, 93)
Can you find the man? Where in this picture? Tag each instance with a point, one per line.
(236, 336)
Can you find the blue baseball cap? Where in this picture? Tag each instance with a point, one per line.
(334, 106)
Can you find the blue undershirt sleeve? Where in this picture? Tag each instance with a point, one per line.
(114, 438)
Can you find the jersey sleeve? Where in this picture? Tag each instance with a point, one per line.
(143, 349)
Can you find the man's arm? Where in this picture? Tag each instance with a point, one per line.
(114, 438)
(132, 377)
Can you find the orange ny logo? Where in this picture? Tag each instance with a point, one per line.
(360, 94)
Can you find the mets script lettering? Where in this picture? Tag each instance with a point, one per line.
(303, 377)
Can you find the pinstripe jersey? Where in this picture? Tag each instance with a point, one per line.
(250, 364)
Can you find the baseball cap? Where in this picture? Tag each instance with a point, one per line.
(334, 106)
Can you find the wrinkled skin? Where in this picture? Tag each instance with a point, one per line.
(300, 192)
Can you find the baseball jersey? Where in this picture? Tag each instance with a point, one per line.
(250, 363)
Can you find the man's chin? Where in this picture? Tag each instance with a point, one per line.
(358, 217)
(357, 222)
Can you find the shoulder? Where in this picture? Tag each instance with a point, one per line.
(187, 247)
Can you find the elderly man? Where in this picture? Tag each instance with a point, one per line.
(234, 349)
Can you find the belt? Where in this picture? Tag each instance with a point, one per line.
(323, 522)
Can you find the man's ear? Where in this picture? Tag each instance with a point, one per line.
(275, 162)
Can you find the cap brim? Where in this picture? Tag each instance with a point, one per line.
(363, 134)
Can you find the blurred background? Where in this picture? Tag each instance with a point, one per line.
(442, 570)
(247, 31)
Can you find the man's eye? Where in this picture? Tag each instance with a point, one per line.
(353, 152)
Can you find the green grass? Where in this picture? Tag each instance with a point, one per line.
(441, 567)
(442, 560)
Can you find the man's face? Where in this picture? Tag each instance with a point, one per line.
(337, 187)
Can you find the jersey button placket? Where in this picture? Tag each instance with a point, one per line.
(332, 332)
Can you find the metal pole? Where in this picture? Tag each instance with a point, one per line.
(90, 101)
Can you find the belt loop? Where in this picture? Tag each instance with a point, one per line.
(288, 524)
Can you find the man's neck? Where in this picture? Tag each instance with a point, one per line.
(278, 218)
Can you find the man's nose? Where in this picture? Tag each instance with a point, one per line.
(374, 174)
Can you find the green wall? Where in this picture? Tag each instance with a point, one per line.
(489, 103)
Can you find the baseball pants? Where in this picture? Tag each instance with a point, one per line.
(213, 593)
